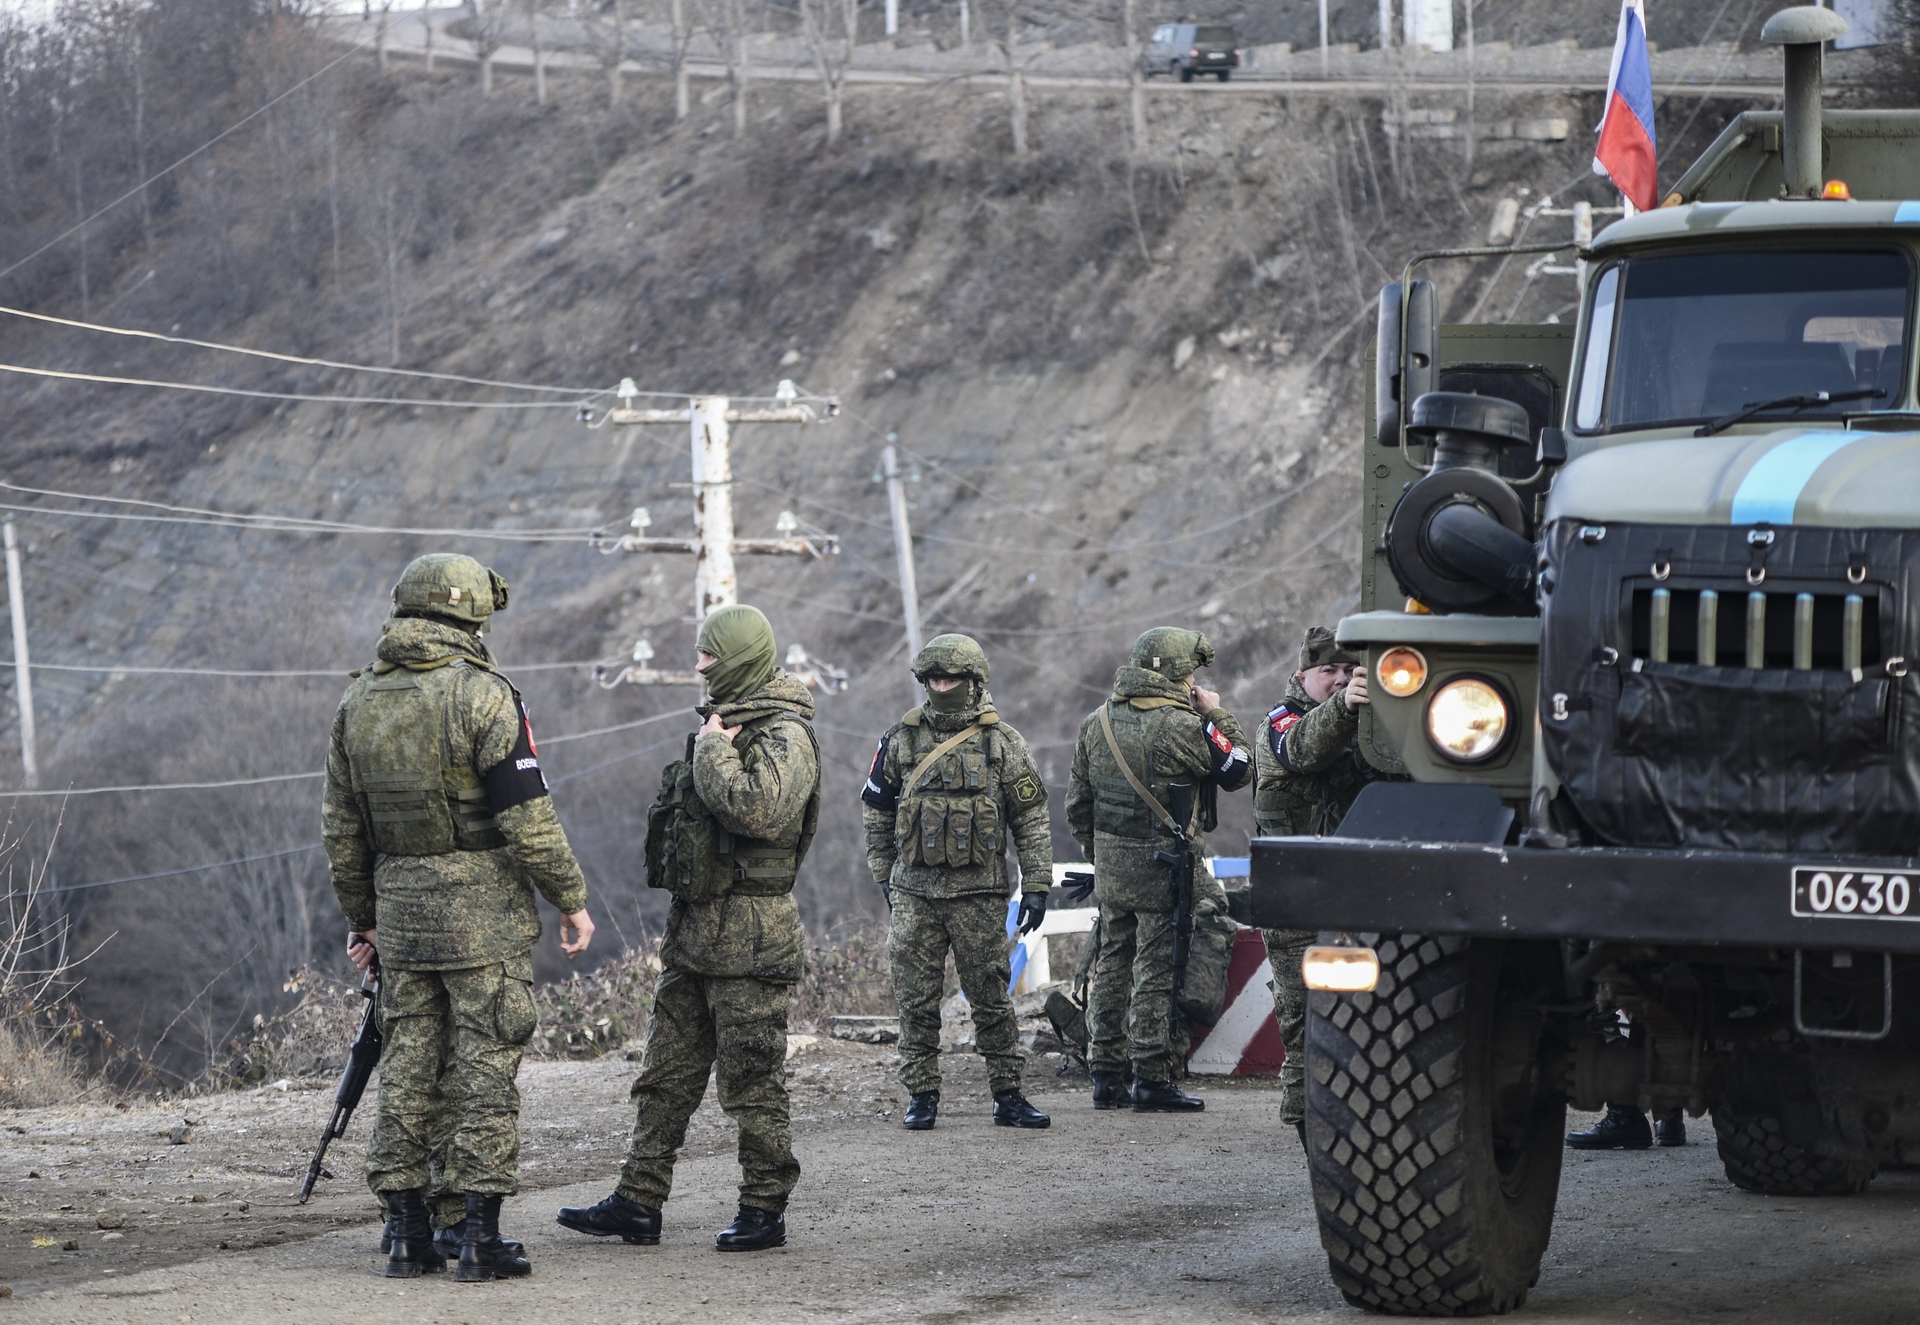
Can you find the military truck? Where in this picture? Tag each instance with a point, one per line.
(1641, 604)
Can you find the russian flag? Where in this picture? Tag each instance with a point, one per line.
(1625, 151)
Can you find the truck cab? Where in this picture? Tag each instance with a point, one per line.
(1641, 607)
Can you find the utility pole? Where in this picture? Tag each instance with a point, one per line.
(22, 674)
(1323, 38)
(902, 546)
(713, 545)
(893, 17)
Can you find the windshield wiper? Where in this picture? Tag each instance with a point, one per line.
(1806, 401)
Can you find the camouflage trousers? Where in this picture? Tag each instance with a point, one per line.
(1130, 1003)
(974, 927)
(1285, 948)
(447, 1095)
(735, 1028)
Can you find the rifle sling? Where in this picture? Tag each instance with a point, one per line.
(933, 756)
(1139, 787)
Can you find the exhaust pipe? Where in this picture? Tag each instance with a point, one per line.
(1803, 31)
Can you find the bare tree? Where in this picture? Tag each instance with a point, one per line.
(380, 34)
(606, 27)
(486, 25)
(389, 217)
(1136, 90)
(539, 54)
(1016, 75)
(426, 27)
(832, 51)
(682, 39)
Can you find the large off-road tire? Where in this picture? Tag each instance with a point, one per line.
(1434, 1126)
(1759, 1158)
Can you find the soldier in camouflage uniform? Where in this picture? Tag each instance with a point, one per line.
(949, 785)
(726, 836)
(1308, 769)
(1167, 730)
(438, 828)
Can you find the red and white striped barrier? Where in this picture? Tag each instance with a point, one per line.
(1245, 1042)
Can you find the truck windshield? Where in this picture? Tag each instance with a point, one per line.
(1686, 338)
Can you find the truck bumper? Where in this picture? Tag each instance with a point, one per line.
(1613, 894)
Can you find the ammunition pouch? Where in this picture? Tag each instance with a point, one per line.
(950, 816)
(692, 855)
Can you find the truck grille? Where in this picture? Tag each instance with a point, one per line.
(1735, 626)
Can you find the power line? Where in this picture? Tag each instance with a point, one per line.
(576, 393)
(276, 525)
(166, 874)
(339, 673)
(159, 174)
(286, 395)
(284, 523)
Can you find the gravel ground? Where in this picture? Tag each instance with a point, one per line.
(1103, 1217)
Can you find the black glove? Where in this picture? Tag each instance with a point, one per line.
(1079, 887)
(1033, 909)
(1240, 905)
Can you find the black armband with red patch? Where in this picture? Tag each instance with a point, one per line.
(517, 779)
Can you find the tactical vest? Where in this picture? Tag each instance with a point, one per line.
(695, 857)
(949, 816)
(1117, 809)
(418, 796)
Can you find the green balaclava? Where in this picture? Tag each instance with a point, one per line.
(952, 655)
(1317, 649)
(741, 637)
(1174, 653)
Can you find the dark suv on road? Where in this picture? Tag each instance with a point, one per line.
(1191, 48)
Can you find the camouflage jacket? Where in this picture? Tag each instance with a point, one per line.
(1308, 766)
(464, 907)
(764, 793)
(1180, 746)
(946, 836)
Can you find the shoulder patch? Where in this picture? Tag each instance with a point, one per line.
(1026, 792)
(1220, 743)
(1282, 719)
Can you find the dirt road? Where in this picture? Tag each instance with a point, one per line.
(1104, 1217)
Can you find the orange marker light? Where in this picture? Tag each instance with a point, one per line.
(1837, 191)
(1402, 672)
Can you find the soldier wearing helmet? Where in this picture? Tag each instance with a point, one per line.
(438, 828)
(1160, 728)
(950, 786)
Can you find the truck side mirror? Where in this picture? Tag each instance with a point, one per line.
(1552, 449)
(1386, 368)
(1405, 367)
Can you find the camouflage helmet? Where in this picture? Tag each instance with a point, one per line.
(1172, 652)
(451, 586)
(1318, 649)
(951, 655)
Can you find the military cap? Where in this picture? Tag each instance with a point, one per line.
(1172, 652)
(1318, 649)
(447, 584)
(951, 655)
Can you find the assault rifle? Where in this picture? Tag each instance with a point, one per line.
(1180, 863)
(362, 1058)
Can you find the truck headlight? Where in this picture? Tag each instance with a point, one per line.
(1402, 672)
(1468, 719)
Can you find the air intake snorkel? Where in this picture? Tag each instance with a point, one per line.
(1458, 540)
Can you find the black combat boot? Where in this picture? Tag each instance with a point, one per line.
(447, 1241)
(922, 1109)
(1163, 1097)
(1670, 1129)
(1109, 1090)
(411, 1253)
(483, 1253)
(753, 1229)
(1010, 1109)
(1621, 1129)
(615, 1217)
(388, 1231)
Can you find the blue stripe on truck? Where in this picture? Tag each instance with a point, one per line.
(1772, 488)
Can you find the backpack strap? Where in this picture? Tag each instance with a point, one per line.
(933, 756)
